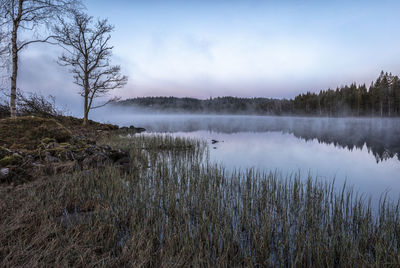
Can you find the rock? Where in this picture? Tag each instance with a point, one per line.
(91, 149)
(106, 148)
(38, 165)
(115, 155)
(96, 160)
(17, 155)
(132, 129)
(124, 160)
(29, 158)
(52, 145)
(140, 129)
(80, 156)
(101, 159)
(39, 147)
(124, 163)
(4, 172)
(50, 159)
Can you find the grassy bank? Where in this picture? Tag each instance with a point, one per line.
(175, 208)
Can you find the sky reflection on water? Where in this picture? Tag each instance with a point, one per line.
(288, 155)
(365, 152)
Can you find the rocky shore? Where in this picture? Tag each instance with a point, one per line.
(31, 147)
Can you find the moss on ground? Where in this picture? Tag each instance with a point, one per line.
(33, 146)
(4, 152)
(10, 160)
(29, 132)
(48, 140)
(73, 122)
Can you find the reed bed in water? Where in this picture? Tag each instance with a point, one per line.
(175, 208)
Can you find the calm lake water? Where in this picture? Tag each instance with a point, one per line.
(363, 152)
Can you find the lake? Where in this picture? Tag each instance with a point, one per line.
(364, 152)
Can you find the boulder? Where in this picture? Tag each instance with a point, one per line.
(116, 155)
(124, 160)
(97, 159)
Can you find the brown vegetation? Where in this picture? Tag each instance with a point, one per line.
(28, 132)
(174, 208)
(32, 147)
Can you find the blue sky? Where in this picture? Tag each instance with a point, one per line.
(240, 48)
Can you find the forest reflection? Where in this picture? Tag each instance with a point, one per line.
(380, 136)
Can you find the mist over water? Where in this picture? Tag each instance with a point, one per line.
(364, 152)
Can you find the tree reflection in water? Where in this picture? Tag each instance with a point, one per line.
(380, 136)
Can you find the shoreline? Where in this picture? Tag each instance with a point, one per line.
(171, 206)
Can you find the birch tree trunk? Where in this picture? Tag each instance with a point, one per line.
(14, 74)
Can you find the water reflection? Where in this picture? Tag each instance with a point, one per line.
(289, 156)
(363, 152)
(380, 136)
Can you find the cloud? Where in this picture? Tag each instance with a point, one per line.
(241, 49)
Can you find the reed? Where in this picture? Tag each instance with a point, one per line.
(175, 208)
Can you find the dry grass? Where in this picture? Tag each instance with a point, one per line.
(27, 132)
(176, 209)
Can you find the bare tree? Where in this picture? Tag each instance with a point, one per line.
(88, 53)
(28, 15)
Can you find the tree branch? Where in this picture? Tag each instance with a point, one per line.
(115, 99)
(46, 40)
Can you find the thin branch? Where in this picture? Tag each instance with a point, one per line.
(115, 99)
(46, 40)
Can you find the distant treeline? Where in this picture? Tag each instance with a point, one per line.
(381, 99)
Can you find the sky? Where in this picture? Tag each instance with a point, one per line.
(244, 48)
